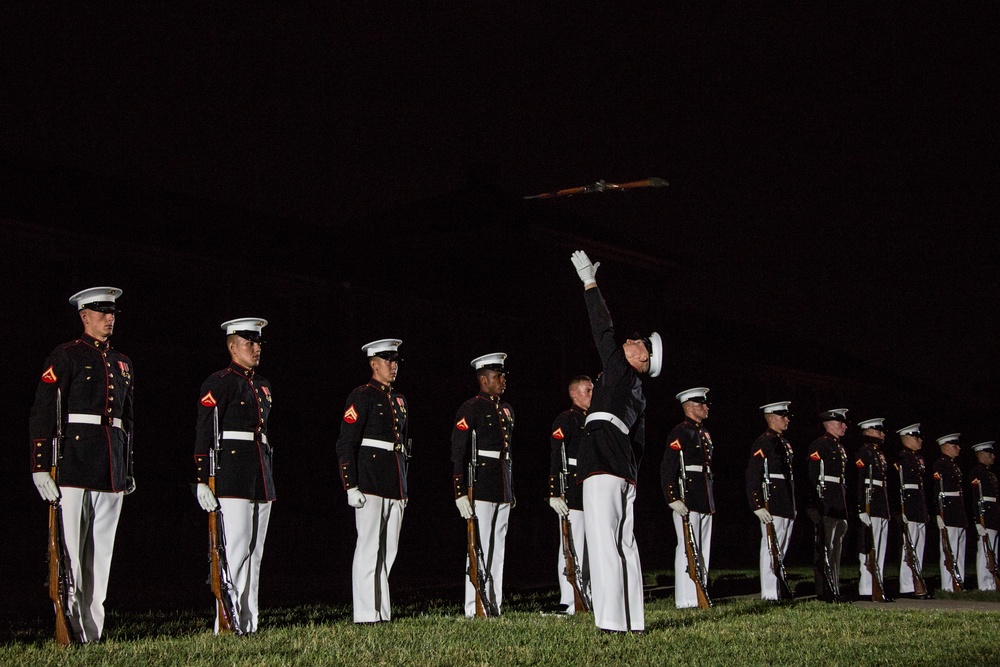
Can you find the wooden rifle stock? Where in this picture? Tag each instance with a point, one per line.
(581, 599)
(991, 557)
(777, 562)
(957, 586)
(823, 566)
(478, 575)
(871, 559)
(60, 576)
(218, 577)
(694, 565)
(909, 556)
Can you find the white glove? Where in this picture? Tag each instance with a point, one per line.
(129, 485)
(903, 518)
(206, 498)
(46, 486)
(679, 507)
(403, 502)
(865, 519)
(559, 505)
(940, 521)
(980, 529)
(464, 507)
(764, 515)
(355, 498)
(584, 268)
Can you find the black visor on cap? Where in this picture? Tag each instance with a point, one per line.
(252, 336)
(388, 355)
(102, 306)
(699, 399)
(494, 367)
(781, 413)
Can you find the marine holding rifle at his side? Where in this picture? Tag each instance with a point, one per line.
(951, 519)
(483, 432)
(566, 495)
(239, 400)
(373, 451)
(93, 382)
(828, 501)
(910, 470)
(873, 508)
(984, 487)
(686, 477)
(771, 464)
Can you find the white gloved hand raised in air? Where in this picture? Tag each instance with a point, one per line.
(764, 515)
(206, 498)
(464, 506)
(679, 507)
(46, 486)
(355, 498)
(584, 268)
(559, 505)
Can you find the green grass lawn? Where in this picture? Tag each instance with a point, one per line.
(430, 631)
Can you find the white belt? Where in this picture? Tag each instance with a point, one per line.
(607, 417)
(242, 435)
(97, 420)
(571, 462)
(831, 480)
(489, 453)
(876, 482)
(989, 499)
(951, 494)
(378, 444)
(695, 468)
(911, 486)
(776, 475)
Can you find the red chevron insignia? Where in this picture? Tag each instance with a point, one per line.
(937, 475)
(462, 425)
(49, 376)
(815, 456)
(760, 453)
(208, 400)
(558, 434)
(675, 445)
(859, 463)
(351, 415)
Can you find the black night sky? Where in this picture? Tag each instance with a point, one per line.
(828, 236)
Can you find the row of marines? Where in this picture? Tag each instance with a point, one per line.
(83, 404)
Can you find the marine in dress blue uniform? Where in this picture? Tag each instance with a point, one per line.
(872, 481)
(244, 481)
(771, 463)
(608, 462)
(373, 452)
(827, 495)
(910, 472)
(983, 495)
(564, 440)
(688, 455)
(94, 383)
(950, 505)
(491, 419)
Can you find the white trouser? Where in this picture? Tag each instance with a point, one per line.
(918, 536)
(378, 523)
(986, 581)
(615, 571)
(957, 538)
(245, 523)
(833, 536)
(782, 533)
(90, 520)
(578, 535)
(492, 537)
(880, 532)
